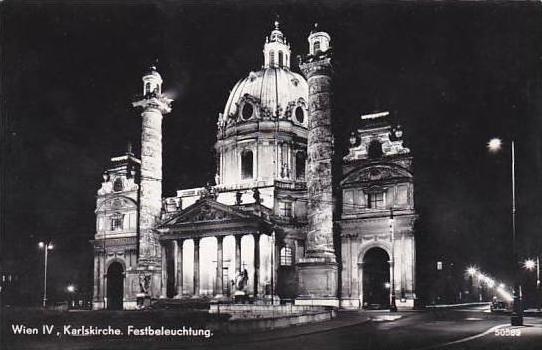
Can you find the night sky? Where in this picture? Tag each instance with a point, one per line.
(456, 74)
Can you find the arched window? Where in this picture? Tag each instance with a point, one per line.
(300, 162)
(147, 88)
(300, 114)
(117, 185)
(281, 56)
(272, 58)
(286, 256)
(247, 164)
(116, 222)
(375, 149)
(316, 47)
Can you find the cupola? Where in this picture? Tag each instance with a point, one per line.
(276, 51)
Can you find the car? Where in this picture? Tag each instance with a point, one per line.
(499, 306)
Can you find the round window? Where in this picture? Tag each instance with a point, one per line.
(299, 114)
(247, 111)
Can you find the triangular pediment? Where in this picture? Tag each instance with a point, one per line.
(378, 172)
(207, 211)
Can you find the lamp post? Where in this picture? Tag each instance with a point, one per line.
(46, 247)
(393, 306)
(530, 264)
(471, 271)
(71, 293)
(516, 319)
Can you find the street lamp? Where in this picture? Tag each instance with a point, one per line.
(71, 290)
(494, 145)
(530, 264)
(471, 271)
(393, 305)
(46, 247)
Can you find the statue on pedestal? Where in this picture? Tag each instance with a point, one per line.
(240, 283)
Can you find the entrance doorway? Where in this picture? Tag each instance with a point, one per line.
(376, 279)
(115, 286)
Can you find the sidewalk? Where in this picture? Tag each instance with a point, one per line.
(343, 319)
(532, 312)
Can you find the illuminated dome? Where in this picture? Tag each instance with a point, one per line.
(269, 93)
(273, 92)
(262, 134)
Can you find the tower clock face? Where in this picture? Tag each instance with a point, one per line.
(299, 115)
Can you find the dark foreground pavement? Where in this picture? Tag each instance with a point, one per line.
(447, 329)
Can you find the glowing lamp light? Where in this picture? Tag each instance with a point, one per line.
(502, 286)
(387, 285)
(529, 264)
(41, 245)
(490, 282)
(471, 271)
(494, 144)
(70, 288)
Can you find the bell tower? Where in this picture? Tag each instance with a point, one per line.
(318, 270)
(153, 106)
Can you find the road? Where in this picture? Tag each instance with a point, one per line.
(438, 329)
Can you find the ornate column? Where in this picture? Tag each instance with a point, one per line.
(256, 263)
(196, 268)
(103, 282)
(96, 278)
(238, 253)
(178, 251)
(318, 270)
(276, 259)
(153, 106)
(219, 267)
(163, 291)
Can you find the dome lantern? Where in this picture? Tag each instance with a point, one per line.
(152, 81)
(319, 41)
(276, 51)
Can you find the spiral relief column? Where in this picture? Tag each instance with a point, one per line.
(153, 105)
(318, 269)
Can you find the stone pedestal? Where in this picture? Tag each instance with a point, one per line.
(318, 282)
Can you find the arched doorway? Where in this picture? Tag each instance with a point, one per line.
(115, 286)
(376, 278)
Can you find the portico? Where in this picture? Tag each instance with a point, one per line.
(205, 246)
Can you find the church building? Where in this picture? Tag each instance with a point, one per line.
(275, 216)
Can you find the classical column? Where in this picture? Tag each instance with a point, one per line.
(178, 248)
(276, 259)
(163, 292)
(219, 266)
(256, 263)
(102, 279)
(318, 270)
(153, 107)
(196, 267)
(237, 253)
(96, 277)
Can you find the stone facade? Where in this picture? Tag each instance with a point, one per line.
(377, 216)
(115, 242)
(268, 221)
